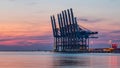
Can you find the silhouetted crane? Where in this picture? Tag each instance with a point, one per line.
(68, 35)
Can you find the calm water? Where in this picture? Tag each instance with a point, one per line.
(58, 60)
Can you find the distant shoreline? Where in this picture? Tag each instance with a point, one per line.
(50, 51)
(24, 50)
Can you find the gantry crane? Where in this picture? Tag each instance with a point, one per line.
(68, 35)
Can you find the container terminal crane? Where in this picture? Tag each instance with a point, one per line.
(68, 35)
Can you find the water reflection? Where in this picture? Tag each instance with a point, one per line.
(51, 60)
(69, 61)
(113, 62)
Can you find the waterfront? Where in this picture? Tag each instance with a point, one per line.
(41, 59)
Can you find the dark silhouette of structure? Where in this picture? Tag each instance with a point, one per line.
(68, 35)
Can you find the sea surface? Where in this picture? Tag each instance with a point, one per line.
(41, 59)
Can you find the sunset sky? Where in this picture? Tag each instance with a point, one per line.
(26, 25)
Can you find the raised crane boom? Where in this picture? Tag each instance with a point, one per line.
(69, 36)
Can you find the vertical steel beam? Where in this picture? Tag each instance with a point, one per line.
(67, 27)
(62, 38)
(72, 16)
(73, 25)
(75, 21)
(55, 28)
(76, 31)
(64, 23)
(60, 26)
(56, 34)
(61, 31)
(70, 28)
(69, 17)
(61, 21)
(70, 22)
(52, 22)
(66, 18)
